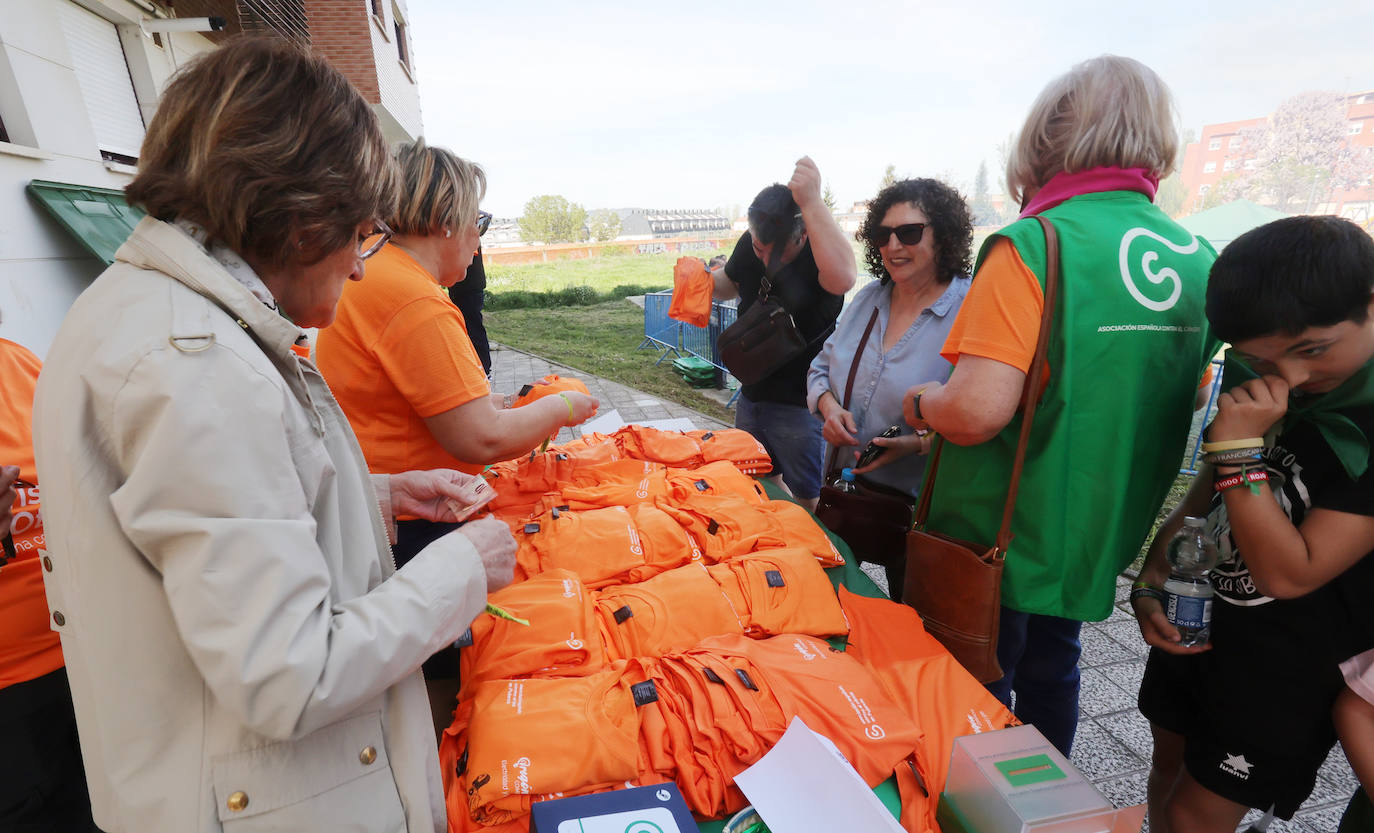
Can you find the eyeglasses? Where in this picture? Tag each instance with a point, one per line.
(908, 235)
(383, 233)
(483, 222)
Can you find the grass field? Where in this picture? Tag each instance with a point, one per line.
(600, 273)
(599, 339)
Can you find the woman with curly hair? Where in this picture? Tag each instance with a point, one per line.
(917, 238)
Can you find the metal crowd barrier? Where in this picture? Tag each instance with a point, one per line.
(677, 337)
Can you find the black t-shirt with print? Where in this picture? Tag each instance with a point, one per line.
(1336, 620)
(797, 288)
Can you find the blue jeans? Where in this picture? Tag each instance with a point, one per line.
(792, 436)
(1039, 658)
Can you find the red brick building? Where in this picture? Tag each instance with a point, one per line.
(1219, 152)
(368, 40)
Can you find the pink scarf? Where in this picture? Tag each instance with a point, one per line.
(1062, 186)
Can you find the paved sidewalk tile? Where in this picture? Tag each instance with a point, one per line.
(512, 368)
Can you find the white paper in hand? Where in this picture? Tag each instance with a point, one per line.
(804, 784)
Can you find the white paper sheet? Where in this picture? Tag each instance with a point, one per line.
(804, 785)
(610, 422)
(607, 423)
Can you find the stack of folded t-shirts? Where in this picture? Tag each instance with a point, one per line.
(576, 631)
(698, 717)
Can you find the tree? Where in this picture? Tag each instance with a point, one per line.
(1300, 154)
(1229, 188)
(604, 224)
(828, 197)
(981, 207)
(1171, 195)
(889, 177)
(552, 219)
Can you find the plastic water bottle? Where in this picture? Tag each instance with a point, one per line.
(845, 482)
(1188, 592)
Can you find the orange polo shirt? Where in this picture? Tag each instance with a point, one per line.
(29, 648)
(397, 353)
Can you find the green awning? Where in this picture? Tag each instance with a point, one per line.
(98, 218)
(1225, 223)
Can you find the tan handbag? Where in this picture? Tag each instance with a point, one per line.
(956, 585)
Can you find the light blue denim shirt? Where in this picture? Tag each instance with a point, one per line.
(883, 378)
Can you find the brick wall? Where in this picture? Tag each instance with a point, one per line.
(341, 30)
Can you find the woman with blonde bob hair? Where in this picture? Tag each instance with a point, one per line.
(402, 366)
(242, 650)
(1128, 344)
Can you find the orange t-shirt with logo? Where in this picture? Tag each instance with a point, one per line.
(29, 648)
(398, 353)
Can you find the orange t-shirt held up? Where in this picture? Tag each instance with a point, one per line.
(398, 353)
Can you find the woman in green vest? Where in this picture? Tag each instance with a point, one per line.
(1128, 344)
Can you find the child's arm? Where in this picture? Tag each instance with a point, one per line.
(1149, 611)
(1284, 560)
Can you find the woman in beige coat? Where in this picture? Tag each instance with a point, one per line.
(243, 653)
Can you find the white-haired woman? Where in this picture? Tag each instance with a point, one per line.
(1129, 343)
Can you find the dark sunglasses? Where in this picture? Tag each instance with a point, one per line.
(483, 222)
(908, 235)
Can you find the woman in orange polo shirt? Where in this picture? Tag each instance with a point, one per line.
(399, 360)
(398, 356)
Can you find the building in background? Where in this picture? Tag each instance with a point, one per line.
(1217, 153)
(655, 223)
(1221, 152)
(78, 83)
(503, 231)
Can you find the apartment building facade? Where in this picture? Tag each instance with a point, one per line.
(1220, 152)
(80, 79)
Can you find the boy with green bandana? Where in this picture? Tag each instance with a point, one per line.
(1289, 497)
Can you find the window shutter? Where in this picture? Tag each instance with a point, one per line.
(103, 75)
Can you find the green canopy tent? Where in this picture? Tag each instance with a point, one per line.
(1225, 223)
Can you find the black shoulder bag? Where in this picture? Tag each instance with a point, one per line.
(764, 337)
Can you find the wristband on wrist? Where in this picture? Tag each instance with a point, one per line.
(568, 402)
(1231, 445)
(1236, 456)
(1147, 592)
(1248, 477)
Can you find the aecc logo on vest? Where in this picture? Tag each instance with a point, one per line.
(1147, 263)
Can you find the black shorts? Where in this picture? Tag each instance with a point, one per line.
(1255, 727)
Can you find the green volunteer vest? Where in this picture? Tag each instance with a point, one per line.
(1129, 343)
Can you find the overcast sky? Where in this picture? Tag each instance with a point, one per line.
(699, 104)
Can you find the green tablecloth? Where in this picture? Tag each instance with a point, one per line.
(857, 581)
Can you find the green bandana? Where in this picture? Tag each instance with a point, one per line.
(1323, 410)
